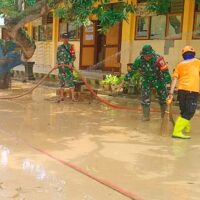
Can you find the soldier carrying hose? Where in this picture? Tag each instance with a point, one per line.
(65, 59)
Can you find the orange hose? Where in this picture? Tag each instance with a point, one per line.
(102, 100)
(30, 90)
(119, 107)
(105, 182)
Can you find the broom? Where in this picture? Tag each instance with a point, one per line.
(164, 129)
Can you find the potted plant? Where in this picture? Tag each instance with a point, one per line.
(106, 83)
(29, 70)
(111, 82)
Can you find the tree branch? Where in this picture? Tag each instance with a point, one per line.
(33, 13)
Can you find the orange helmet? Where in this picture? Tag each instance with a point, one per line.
(188, 49)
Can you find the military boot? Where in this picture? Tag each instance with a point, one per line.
(163, 109)
(146, 113)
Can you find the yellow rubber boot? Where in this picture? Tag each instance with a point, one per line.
(179, 127)
(187, 128)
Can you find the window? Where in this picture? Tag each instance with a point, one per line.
(196, 31)
(161, 26)
(44, 32)
(73, 31)
(158, 27)
(174, 26)
(142, 30)
(49, 26)
(49, 32)
(70, 28)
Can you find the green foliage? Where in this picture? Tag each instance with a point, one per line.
(112, 80)
(78, 11)
(158, 6)
(135, 83)
(136, 80)
(30, 2)
(24, 33)
(198, 2)
(111, 15)
(76, 76)
(8, 7)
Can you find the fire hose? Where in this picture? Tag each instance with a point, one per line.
(85, 82)
(102, 100)
(30, 90)
(107, 183)
(80, 170)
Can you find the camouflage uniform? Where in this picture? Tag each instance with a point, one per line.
(152, 77)
(65, 56)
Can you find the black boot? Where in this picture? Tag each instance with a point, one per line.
(146, 113)
(162, 110)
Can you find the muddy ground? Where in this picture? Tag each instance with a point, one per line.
(112, 144)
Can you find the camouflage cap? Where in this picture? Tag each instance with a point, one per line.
(65, 35)
(147, 50)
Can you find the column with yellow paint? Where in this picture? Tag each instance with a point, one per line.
(188, 19)
(128, 35)
(29, 27)
(55, 38)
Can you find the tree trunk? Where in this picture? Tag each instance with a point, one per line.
(26, 43)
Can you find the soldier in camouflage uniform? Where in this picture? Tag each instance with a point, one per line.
(155, 74)
(65, 59)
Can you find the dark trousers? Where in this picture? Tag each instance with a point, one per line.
(187, 103)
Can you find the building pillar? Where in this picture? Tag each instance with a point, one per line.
(188, 20)
(55, 38)
(133, 22)
(29, 27)
(128, 29)
(128, 35)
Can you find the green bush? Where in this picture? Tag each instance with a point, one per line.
(112, 80)
(134, 84)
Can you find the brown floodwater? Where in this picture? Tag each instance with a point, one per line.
(112, 144)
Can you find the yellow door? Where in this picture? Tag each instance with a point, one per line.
(112, 49)
(87, 49)
(98, 51)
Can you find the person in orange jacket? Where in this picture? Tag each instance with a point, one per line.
(187, 74)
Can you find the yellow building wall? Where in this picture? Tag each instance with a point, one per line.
(45, 54)
(131, 48)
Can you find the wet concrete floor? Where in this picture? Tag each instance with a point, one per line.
(112, 144)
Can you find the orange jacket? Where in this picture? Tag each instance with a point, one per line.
(188, 74)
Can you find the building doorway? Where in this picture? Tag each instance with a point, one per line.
(100, 51)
